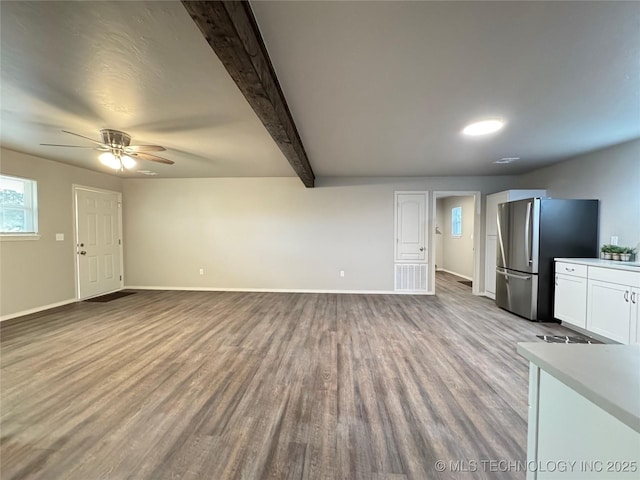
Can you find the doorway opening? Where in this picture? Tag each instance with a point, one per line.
(455, 240)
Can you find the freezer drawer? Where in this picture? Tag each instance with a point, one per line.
(517, 292)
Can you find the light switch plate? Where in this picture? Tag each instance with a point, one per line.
(614, 240)
(59, 237)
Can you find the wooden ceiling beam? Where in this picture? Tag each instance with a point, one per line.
(232, 32)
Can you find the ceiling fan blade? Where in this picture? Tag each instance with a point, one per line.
(71, 146)
(152, 158)
(86, 138)
(144, 148)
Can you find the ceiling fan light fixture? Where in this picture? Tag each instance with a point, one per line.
(110, 160)
(128, 162)
(484, 127)
(116, 161)
(117, 151)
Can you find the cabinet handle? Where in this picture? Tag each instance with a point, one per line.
(633, 297)
(626, 296)
(570, 269)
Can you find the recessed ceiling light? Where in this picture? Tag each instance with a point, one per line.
(484, 127)
(507, 160)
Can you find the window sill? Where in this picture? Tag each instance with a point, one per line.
(18, 237)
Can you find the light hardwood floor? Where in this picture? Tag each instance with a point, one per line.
(164, 385)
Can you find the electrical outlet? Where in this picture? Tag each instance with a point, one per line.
(342, 273)
(614, 240)
(202, 271)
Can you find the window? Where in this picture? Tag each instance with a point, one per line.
(18, 206)
(456, 222)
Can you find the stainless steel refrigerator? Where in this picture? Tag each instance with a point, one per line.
(531, 233)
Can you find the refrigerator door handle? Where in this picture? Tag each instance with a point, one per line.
(506, 274)
(527, 235)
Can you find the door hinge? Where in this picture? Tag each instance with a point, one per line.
(119, 242)
(120, 277)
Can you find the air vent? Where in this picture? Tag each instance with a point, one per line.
(411, 277)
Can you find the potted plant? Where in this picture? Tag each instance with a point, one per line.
(627, 253)
(606, 252)
(615, 252)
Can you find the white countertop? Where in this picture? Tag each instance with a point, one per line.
(598, 262)
(607, 375)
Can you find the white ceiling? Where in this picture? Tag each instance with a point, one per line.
(384, 88)
(144, 68)
(375, 88)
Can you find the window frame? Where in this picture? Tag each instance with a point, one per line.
(456, 233)
(30, 209)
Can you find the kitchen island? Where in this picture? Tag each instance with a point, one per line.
(584, 411)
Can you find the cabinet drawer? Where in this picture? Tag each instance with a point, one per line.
(621, 277)
(571, 269)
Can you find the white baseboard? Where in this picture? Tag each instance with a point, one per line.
(272, 290)
(9, 316)
(454, 273)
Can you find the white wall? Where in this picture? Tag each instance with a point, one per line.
(269, 233)
(39, 273)
(457, 252)
(611, 175)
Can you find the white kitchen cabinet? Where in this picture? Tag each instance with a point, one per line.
(490, 273)
(609, 310)
(599, 297)
(492, 211)
(491, 231)
(611, 304)
(570, 299)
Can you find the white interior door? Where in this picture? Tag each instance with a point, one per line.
(98, 245)
(411, 232)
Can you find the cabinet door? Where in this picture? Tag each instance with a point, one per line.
(609, 310)
(635, 317)
(490, 266)
(570, 304)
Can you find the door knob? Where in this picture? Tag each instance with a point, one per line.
(422, 249)
(82, 252)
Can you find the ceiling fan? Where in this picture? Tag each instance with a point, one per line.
(117, 151)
